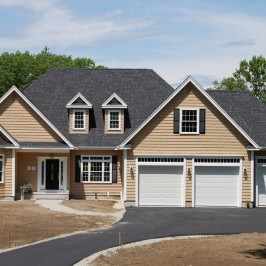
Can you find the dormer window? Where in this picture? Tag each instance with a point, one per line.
(114, 119)
(79, 119)
(114, 114)
(78, 110)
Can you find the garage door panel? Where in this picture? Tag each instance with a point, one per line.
(216, 185)
(261, 186)
(160, 185)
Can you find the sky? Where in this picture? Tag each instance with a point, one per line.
(206, 39)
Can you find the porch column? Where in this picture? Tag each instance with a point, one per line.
(13, 173)
(125, 173)
(252, 168)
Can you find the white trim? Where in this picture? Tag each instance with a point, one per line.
(89, 171)
(179, 88)
(87, 105)
(136, 183)
(114, 95)
(15, 89)
(9, 137)
(183, 179)
(74, 119)
(119, 119)
(236, 164)
(13, 173)
(96, 148)
(125, 173)
(252, 175)
(180, 119)
(257, 183)
(40, 187)
(53, 150)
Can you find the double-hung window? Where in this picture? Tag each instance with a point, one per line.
(1, 168)
(96, 169)
(114, 119)
(189, 119)
(79, 119)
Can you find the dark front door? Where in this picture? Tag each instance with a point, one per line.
(52, 174)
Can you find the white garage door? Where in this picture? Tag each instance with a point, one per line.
(160, 185)
(216, 185)
(261, 177)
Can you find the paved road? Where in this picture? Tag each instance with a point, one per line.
(139, 224)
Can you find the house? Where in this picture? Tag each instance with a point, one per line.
(86, 133)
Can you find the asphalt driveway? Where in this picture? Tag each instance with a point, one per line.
(139, 224)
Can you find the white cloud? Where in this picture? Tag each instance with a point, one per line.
(56, 26)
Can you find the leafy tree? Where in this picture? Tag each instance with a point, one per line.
(251, 75)
(21, 69)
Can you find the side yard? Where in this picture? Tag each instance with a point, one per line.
(243, 249)
(24, 222)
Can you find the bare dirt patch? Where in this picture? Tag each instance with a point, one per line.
(244, 249)
(24, 222)
(91, 205)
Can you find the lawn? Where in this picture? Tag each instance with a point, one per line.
(91, 205)
(24, 222)
(244, 249)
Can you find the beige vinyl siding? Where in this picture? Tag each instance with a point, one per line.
(25, 176)
(6, 187)
(157, 138)
(89, 189)
(23, 123)
(108, 131)
(71, 126)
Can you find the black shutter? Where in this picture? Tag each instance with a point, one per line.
(176, 121)
(114, 169)
(77, 169)
(202, 121)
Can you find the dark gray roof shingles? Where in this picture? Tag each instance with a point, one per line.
(142, 89)
(246, 110)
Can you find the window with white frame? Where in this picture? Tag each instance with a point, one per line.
(79, 119)
(114, 119)
(189, 121)
(96, 169)
(1, 168)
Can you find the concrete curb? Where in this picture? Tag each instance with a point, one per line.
(111, 251)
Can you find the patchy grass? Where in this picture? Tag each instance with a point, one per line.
(24, 222)
(91, 205)
(244, 249)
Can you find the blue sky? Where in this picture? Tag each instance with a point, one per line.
(206, 39)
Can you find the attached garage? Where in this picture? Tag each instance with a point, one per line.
(161, 183)
(217, 182)
(261, 182)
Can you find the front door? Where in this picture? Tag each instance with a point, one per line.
(52, 174)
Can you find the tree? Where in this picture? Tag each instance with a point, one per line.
(21, 69)
(251, 75)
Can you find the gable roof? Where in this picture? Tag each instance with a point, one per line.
(47, 121)
(121, 104)
(7, 139)
(207, 95)
(86, 103)
(142, 89)
(248, 112)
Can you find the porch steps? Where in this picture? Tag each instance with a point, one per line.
(50, 195)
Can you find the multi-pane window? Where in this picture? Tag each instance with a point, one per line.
(114, 120)
(96, 169)
(1, 168)
(79, 119)
(189, 121)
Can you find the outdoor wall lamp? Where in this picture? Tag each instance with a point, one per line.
(189, 174)
(131, 171)
(245, 173)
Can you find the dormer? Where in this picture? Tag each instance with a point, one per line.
(78, 108)
(114, 113)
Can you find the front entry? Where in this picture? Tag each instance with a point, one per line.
(52, 174)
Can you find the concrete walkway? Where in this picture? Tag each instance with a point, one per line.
(56, 205)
